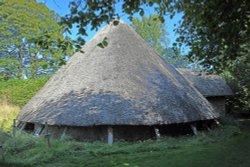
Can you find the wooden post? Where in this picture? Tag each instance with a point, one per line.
(157, 134)
(207, 127)
(64, 133)
(47, 135)
(194, 129)
(217, 122)
(22, 126)
(110, 135)
(14, 131)
(14, 128)
(38, 129)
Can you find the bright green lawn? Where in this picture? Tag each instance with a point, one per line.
(227, 146)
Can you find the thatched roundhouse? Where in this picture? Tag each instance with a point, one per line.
(211, 86)
(125, 88)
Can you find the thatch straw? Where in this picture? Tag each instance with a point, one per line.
(207, 84)
(126, 83)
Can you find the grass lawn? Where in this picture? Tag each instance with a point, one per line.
(227, 146)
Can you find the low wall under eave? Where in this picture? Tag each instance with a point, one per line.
(121, 132)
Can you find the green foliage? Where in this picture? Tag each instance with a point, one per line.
(173, 56)
(9, 67)
(215, 31)
(218, 35)
(153, 31)
(7, 114)
(93, 13)
(239, 80)
(20, 91)
(206, 149)
(31, 40)
(104, 43)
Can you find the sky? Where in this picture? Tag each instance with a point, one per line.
(61, 8)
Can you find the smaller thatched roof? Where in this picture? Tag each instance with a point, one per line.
(207, 84)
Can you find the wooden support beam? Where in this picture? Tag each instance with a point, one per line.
(38, 129)
(64, 133)
(14, 128)
(110, 135)
(22, 126)
(157, 134)
(19, 124)
(194, 129)
(216, 122)
(47, 135)
(14, 132)
(207, 127)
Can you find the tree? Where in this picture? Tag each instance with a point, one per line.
(153, 31)
(94, 13)
(216, 31)
(239, 80)
(29, 39)
(218, 34)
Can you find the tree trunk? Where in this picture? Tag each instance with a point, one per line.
(20, 59)
(33, 70)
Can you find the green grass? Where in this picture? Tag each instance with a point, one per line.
(7, 114)
(227, 146)
(223, 147)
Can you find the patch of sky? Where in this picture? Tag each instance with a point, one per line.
(61, 7)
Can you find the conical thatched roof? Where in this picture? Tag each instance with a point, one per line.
(126, 83)
(207, 84)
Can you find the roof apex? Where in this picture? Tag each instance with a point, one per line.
(125, 83)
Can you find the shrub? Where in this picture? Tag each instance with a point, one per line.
(7, 114)
(20, 91)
